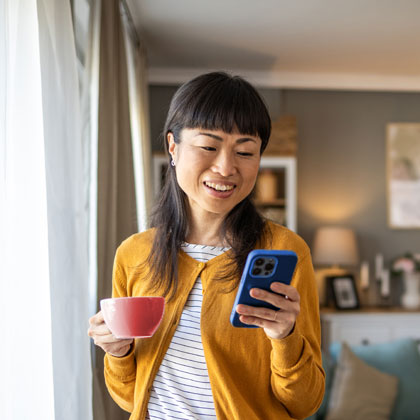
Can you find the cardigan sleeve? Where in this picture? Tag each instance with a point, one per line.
(120, 372)
(298, 378)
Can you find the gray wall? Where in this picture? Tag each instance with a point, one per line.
(341, 159)
(159, 100)
(341, 164)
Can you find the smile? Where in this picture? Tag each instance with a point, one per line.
(219, 187)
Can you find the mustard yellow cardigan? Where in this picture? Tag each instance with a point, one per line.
(252, 377)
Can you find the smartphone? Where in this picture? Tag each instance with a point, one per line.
(262, 267)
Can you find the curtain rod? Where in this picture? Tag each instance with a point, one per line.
(126, 14)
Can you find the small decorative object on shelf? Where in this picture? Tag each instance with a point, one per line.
(266, 186)
(379, 266)
(385, 284)
(383, 278)
(408, 266)
(364, 275)
(343, 290)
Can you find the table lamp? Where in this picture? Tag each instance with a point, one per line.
(334, 248)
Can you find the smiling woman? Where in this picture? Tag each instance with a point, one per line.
(198, 365)
(216, 129)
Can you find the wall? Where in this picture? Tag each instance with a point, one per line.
(342, 170)
(159, 100)
(341, 159)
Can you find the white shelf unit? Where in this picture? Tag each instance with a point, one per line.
(366, 327)
(286, 164)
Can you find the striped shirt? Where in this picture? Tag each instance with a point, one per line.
(181, 389)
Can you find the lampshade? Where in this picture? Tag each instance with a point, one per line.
(335, 246)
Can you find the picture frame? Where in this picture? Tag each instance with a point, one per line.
(403, 175)
(342, 291)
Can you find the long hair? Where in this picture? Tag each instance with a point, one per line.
(213, 101)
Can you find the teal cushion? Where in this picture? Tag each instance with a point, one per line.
(400, 358)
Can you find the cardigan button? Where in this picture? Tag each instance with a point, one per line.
(202, 265)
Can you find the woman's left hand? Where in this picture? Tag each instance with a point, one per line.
(277, 324)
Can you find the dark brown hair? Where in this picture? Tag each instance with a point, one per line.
(213, 101)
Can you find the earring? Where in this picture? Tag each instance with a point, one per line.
(172, 162)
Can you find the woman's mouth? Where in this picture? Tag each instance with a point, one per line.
(220, 190)
(219, 187)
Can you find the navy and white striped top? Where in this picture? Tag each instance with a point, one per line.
(181, 389)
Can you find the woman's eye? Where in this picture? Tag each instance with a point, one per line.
(245, 154)
(208, 148)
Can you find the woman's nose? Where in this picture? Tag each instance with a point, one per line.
(225, 164)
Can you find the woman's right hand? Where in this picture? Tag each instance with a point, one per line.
(103, 337)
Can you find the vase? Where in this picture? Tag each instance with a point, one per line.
(410, 298)
(266, 188)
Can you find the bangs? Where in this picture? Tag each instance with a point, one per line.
(217, 101)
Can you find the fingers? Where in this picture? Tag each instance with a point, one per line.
(259, 322)
(97, 325)
(252, 313)
(97, 319)
(285, 298)
(279, 301)
(286, 290)
(276, 323)
(110, 339)
(110, 344)
(282, 324)
(103, 337)
(120, 351)
(100, 329)
(264, 317)
(117, 348)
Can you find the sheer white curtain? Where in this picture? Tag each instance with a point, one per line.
(139, 120)
(46, 370)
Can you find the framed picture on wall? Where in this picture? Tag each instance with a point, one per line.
(403, 175)
(343, 291)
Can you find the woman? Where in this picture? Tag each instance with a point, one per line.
(197, 365)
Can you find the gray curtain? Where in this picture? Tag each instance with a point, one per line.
(116, 189)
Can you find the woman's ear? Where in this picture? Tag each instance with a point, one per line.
(171, 145)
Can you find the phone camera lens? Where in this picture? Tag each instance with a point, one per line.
(256, 271)
(259, 261)
(269, 267)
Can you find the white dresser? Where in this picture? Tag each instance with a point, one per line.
(367, 326)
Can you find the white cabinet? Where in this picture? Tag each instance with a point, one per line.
(282, 208)
(368, 326)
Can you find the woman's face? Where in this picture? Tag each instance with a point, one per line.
(216, 170)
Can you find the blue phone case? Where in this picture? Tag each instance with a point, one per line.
(284, 267)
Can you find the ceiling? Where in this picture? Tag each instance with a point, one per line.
(358, 44)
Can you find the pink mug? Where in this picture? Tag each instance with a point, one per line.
(133, 317)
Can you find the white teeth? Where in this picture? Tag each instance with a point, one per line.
(219, 187)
